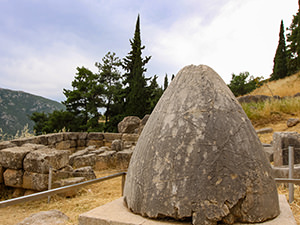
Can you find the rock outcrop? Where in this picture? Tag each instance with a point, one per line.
(199, 157)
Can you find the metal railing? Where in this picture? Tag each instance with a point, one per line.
(291, 181)
(51, 192)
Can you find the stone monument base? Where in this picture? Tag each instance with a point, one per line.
(115, 213)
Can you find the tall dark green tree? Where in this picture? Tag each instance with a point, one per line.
(293, 48)
(86, 98)
(154, 94)
(166, 82)
(110, 78)
(280, 69)
(134, 78)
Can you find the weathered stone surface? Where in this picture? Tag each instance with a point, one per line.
(129, 124)
(46, 218)
(84, 160)
(95, 136)
(39, 161)
(18, 192)
(13, 157)
(281, 142)
(283, 171)
(97, 143)
(62, 173)
(122, 158)
(13, 178)
(35, 181)
(117, 145)
(52, 139)
(6, 144)
(21, 141)
(105, 160)
(143, 123)
(66, 182)
(109, 137)
(86, 172)
(265, 130)
(66, 145)
(199, 156)
(292, 122)
(76, 154)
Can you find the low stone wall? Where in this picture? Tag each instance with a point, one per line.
(24, 163)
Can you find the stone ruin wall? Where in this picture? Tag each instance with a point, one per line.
(24, 163)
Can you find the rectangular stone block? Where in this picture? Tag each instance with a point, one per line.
(13, 178)
(81, 143)
(97, 143)
(40, 160)
(95, 136)
(281, 142)
(6, 144)
(130, 137)
(70, 136)
(42, 140)
(13, 157)
(82, 135)
(105, 160)
(35, 181)
(22, 141)
(55, 138)
(66, 145)
(109, 137)
(84, 160)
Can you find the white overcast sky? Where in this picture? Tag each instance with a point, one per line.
(43, 41)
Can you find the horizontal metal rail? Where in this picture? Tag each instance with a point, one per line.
(287, 180)
(51, 192)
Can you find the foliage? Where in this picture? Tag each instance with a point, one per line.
(166, 82)
(110, 77)
(134, 79)
(55, 122)
(280, 69)
(293, 48)
(86, 98)
(154, 94)
(241, 85)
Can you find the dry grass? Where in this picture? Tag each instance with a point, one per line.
(88, 198)
(288, 86)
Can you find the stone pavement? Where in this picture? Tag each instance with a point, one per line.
(115, 213)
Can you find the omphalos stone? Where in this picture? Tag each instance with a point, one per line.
(199, 157)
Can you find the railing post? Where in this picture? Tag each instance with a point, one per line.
(291, 173)
(50, 182)
(123, 182)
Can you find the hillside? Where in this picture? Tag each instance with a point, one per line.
(288, 86)
(17, 106)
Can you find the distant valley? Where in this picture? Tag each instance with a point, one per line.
(17, 106)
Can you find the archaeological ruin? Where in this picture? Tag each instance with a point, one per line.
(199, 159)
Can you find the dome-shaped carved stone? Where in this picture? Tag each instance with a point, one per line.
(199, 157)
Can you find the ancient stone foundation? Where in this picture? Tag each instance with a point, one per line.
(24, 163)
(199, 158)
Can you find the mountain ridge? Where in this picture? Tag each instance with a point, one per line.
(17, 106)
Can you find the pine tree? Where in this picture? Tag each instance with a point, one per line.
(135, 81)
(280, 60)
(166, 82)
(85, 99)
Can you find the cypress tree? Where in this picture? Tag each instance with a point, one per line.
(280, 60)
(293, 49)
(166, 82)
(134, 79)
